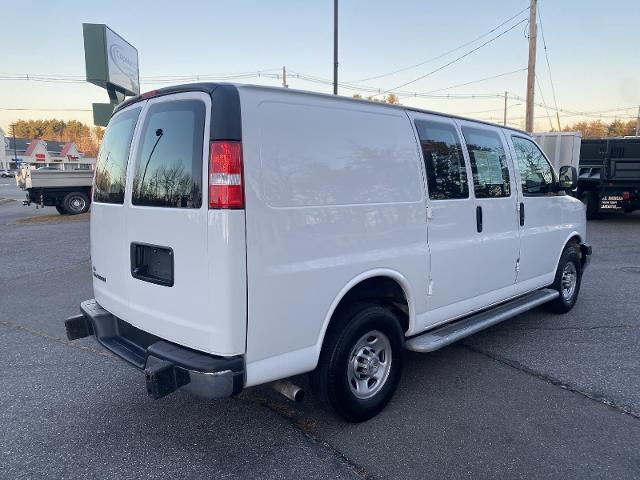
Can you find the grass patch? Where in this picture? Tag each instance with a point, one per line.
(56, 217)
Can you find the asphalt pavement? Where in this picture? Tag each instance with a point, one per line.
(539, 396)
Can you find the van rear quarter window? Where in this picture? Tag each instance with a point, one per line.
(488, 163)
(315, 155)
(169, 160)
(111, 166)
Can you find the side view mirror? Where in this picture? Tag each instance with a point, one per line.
(568, 178)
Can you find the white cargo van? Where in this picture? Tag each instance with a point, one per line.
(242, 235)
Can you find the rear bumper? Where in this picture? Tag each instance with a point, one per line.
(167, 366)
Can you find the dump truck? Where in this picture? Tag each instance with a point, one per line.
(68, 191)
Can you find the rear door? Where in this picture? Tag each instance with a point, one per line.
(109, 247)
(166, 221)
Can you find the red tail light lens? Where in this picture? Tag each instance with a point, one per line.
(225, 175)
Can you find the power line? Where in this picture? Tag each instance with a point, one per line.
(443, 54)
(546, 55)
(543, 101)
(476, 81)
(454, 60)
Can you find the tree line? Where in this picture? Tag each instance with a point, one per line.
(87, 138)
(599, 129)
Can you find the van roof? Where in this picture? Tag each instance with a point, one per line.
(209, 87)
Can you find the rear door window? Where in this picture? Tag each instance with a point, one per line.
(488, 163)
(111, 166)
(169, 160)
(444, 162)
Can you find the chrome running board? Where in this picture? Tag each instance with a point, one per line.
(452, 332)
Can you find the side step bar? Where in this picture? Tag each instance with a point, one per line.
(452, 332)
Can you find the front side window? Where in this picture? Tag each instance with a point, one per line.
(111, 165)
(444, 162)
(169, 160)
(535, 172)
(488, 163)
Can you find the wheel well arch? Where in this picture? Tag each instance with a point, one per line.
(384, 287)
(575, 239)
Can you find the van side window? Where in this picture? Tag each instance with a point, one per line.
(444, 162)
(169, 161)
(111, 166)
(488, 163)
(535, 172)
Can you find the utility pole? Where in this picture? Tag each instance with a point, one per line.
(531, 71)
(284, 77)
(505, 109)
(15, 147)
(638, 123)
(335, 47)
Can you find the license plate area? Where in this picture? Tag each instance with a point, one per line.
(152, 263)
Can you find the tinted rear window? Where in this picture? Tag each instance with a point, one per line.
(111, 166)
(169, 161)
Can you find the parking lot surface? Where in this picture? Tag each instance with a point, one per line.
(539, 396)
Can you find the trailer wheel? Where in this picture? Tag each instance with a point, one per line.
(61, 210)
(75, 203)
(592, 201)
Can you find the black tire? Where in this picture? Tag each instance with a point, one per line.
(339, 357)
(61, 210)
(566, 301)
(591, 200)
(75, 203)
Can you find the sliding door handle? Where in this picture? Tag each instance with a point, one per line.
(479, 218)
(521, 214)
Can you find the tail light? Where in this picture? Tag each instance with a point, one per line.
(626, 195)
(225, 175)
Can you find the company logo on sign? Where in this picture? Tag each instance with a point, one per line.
(125, 64)
(72, 157)
(40, 157)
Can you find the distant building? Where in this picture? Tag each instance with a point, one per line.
(40, 153)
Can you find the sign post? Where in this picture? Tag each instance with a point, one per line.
(111, 63)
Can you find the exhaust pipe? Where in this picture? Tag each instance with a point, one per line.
(289, 390)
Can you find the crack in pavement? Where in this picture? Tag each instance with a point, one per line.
(595, 327)
(554, 381)
(61, 341)
(306, 427)
(51, 270)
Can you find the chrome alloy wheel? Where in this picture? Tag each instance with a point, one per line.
(569, 281)
(369, 364)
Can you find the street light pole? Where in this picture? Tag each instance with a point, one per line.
(335, 47)
(505, 109)
(15, 147)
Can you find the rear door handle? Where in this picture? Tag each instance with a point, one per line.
(479, 218)
(521, 214)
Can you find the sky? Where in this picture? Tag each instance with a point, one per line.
(594, 62)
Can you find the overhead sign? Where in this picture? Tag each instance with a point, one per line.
(111, 62)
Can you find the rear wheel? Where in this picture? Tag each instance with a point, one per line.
(592, 201)
(567, 281)
(361, 362)
(75, 203)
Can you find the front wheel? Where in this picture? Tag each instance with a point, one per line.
(567, 281)
(361, 362)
